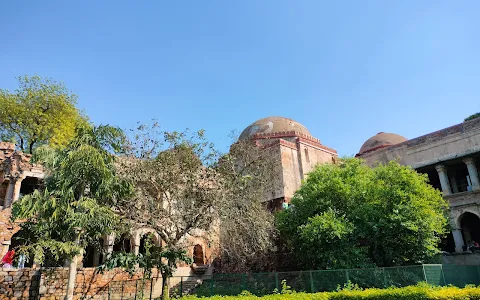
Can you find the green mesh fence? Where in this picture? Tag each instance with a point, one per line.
(330, 280)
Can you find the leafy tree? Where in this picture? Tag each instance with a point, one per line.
(176, 192)
(40, 111)
(154, 257)
(348, 215)
(247, 229)
(73, 209)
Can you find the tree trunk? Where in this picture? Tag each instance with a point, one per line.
(72, 272)
(165, 288)
(72, 275)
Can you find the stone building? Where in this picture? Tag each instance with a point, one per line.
(18, 177)
(297, 151)
(448, 157)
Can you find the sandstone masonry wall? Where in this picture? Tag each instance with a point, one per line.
(51, 284)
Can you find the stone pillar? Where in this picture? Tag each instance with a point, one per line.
(13, 191)
(453, 181)
(472, 171)
(10, 194)
(108, 243)
(458, 239)
(96, 257)
(136, 243)
(442, 173)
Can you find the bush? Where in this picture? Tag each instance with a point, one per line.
(420, 291)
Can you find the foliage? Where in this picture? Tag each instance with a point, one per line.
(421, 291)
(154, 257)
(176, 190)
(40, 111)
(247, 228)
(72, 210)
(349, 215)
(474, 116)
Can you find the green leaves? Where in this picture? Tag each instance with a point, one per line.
(40, 111)
(81, 183)
(349, 215)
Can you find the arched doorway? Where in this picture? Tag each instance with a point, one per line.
(148, 237)
(15, 242)
(198, 258)
(470, 224)
(123, 244)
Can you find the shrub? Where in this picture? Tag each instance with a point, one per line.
(420, 292)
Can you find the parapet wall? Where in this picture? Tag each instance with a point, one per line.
(51, 284)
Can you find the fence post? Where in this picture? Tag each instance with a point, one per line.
(424, 274)
(123, 286)
(443, 276)
(108, 291)
(347, 276)
(181, 286)
(312, 287)
(136, 289)
(211, 286)
(151, 287)
(244, 282)
(277, 286)
(385, 283)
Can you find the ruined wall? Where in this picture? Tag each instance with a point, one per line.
(7, 230)
(51, 284)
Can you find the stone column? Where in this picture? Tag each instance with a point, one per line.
(453, 181)
(96, 257)
(13, 191)
(458, 239)
(108, 243)
(442, 173)
(10, 193)
(136, 243)
(472, 171)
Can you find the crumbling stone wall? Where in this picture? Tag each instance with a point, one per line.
(51, 284)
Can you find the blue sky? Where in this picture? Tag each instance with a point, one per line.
(344, 69)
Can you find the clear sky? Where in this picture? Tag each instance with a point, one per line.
(344, 69)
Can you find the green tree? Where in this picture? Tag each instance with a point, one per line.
(73, 209)
(40, 111)
(348, 215)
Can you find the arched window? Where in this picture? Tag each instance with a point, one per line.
(198, 257)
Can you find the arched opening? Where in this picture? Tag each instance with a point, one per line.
(470, 224)
(144, 240)
(447, 243)
(29, 185)
(93, 255)
(19, 261)
(198, 258)
(123, 244)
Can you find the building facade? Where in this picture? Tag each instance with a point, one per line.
(18, 177)
(296, 152)
(449, 157)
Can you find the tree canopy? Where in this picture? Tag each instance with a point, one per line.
(73, 210)
(40, 111)
(348, 215)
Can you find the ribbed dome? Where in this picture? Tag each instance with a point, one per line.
(382, 139)
(273, 125)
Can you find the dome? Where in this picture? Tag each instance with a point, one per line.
(382, 139)
(273, 125)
